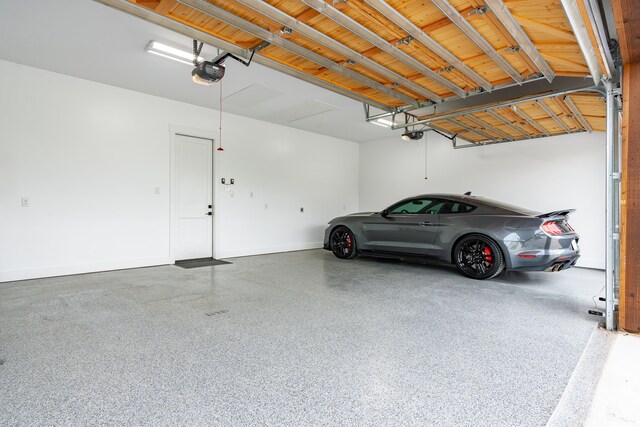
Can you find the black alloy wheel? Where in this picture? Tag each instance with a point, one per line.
(478, 257)
(343, 243)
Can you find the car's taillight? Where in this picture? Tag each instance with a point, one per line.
(552, 228)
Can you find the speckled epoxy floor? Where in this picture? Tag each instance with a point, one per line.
(291, 339)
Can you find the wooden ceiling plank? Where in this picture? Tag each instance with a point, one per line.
(474, 36)
(326, 41)
(486, 126)
(471, 129)
(520, 122)
(502, 12)
(565, 113)
(307, 15)
(370, 14)
(255, 30)
(577, 115)
(567, 63)
(412, 30)
(442, 23)
(559, 46)
(553, 115)
(496, 115)
(497, 27)
(520, 112)
(373, 38)
(555, 32)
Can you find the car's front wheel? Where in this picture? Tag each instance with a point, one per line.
(478, 257)
(343, 243)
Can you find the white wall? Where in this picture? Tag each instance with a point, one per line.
(544, 174)
(88, 157)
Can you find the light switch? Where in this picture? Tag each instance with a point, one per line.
(24, 202)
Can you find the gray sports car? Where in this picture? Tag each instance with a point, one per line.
(481, 237)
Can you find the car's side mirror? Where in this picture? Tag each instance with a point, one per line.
(385, 213)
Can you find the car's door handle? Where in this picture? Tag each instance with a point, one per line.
(426, 223)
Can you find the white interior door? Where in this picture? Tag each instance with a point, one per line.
(194, 198)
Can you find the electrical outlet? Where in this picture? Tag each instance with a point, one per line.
(301, 210)
(24, 202)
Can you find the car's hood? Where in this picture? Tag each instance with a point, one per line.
(362, 214)
(353, 215)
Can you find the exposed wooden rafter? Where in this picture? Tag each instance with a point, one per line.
(405, 54)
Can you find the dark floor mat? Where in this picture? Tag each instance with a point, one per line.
(202, 262)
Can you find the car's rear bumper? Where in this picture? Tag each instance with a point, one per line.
(549, 263)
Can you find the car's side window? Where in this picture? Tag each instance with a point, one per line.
(451, 207)
(410, 207)
(434, 207)
(417, 206)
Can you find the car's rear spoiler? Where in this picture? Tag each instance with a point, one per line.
(564, 212)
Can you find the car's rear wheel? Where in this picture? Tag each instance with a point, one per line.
(478, 257)
(343, 243)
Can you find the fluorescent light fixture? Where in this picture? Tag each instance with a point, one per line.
(165, 51)
(383, 122)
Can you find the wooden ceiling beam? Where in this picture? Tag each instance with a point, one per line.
(543, 105)
(310, 33)
(499, 117)
(444, 22)
(577, 115)
(489, 127)
(627, 17)
(494, 23)
(475, 37)
(519, 121)
(567, 114)
(373, 38)
(443, 55)
(257, 31)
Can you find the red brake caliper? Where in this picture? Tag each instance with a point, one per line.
(349, 243)
(487, 254)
